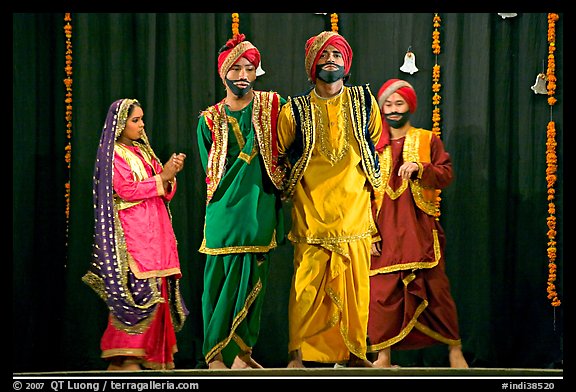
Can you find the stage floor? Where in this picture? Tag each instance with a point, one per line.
(313, 372)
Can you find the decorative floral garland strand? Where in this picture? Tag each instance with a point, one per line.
(551, 163)
(68, 115)
(436, 98)
(334, 22)
(235, 24)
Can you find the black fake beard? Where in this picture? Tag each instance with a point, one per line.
(397, 124)
(237, 91)
(329, 76)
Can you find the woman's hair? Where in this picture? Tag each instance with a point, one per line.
(132, 106)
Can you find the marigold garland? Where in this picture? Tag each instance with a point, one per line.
(551, 163)
(235, 24)
(436, 98)
(334, 22)
(68, 102)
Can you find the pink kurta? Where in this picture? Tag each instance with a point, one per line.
(148, 231)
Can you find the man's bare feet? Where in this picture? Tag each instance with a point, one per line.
(355, 361)
(295, 360)
(245, 361)
(384, 359)
(456, 357)
(217, 363)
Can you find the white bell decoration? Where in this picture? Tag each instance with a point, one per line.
(507, 15)
(259, 70)
(409, 65)
(540, 84)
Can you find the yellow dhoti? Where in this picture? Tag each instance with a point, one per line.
(329, 300)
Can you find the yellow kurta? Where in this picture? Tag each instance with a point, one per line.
(331, 231)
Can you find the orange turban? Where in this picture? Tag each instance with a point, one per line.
(315, 45)
(234, 49)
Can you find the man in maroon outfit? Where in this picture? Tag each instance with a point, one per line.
(410, 302)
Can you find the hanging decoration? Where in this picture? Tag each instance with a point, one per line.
(436, 118)
(235, 24)
(540, 84)
(68, 113)
(334, 22)
(551, 163)
(409, 65)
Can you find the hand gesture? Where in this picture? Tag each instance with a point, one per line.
(174, 165)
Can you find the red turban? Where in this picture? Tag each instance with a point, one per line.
(237, 47)
(315, 45)
(390, 87)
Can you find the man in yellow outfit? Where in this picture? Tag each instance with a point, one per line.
(326, 140)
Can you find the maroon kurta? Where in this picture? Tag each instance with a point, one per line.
(410, 302)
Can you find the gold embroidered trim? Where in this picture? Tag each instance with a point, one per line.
(262, 107)
(239, 249)
(129, 352)
(410, 153)
(328, 151)
(415, 265)
(360, 121)
(355, 349)
(236, 322)
(433, 334)
(138, 169)
(403, 333)
(331, 241)
(216, 164)
(241, 141)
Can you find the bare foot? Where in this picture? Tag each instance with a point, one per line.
(355, 361)
(384, 359)
(456, 357)
(295, 360)
(124, 363)
(217, 363)
(245, 361)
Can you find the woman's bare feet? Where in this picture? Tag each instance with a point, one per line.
(456, 357)
(295, 360)
(245, 361)
(355, 361)
(124, 363)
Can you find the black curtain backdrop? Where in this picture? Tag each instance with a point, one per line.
(493, 124)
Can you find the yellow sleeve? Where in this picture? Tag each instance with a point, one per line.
(286, 128)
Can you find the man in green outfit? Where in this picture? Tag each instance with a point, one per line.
(244, 219)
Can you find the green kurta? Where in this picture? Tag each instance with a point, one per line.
(244, 221)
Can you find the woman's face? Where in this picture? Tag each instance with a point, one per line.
(134, 126)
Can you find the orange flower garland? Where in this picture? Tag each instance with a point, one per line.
(235, 24)
(551, 163)
(436, 90)
(334, 22)
(68, 101)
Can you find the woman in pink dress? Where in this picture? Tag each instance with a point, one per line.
(135, 267)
